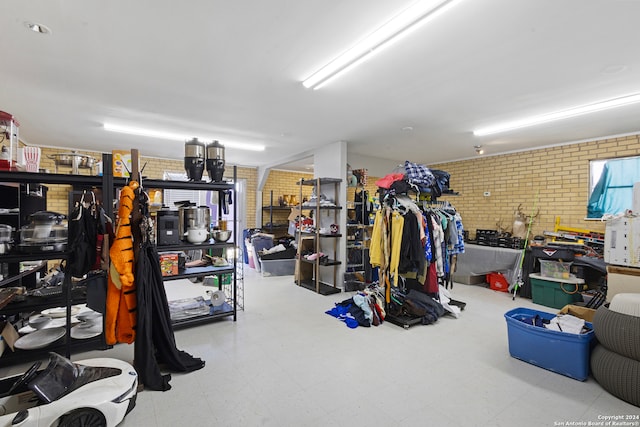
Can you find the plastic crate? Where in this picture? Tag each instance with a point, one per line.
(555, 269)
(498, 282)
(555, 293)
(278, 267)
(560, 352)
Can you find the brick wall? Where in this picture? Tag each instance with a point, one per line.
(555, 178)
(284, 182)
(559, 176)
(57, 196)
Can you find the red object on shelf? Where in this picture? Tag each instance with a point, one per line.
(498, 282)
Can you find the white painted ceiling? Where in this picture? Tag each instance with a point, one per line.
(232, 70)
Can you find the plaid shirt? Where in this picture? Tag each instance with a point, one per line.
(418, 174)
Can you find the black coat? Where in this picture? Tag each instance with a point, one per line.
(155, 342)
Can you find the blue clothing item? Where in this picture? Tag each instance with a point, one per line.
(362, 302)
(341, 312)
(427, 247)
(458, 248)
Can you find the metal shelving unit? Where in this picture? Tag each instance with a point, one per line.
(69, 296)
(308, 272)
(234, 292)
(272, 209)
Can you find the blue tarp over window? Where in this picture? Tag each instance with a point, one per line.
(613, 193)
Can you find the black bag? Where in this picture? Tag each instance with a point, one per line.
(97, 291)
(83, 231)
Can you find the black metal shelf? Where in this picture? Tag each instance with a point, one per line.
(330, 262)
(336, 208)
(179, 185)
(320, 180)
(199, 272)
(25, 273)
(200, 320)
(59, 346)
(194, 246)
(49, 178)
(323, 288)
(16, 256)
(280, 208)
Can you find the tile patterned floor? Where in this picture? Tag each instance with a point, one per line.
(286, 363)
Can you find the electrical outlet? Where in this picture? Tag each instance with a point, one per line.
(486, 193)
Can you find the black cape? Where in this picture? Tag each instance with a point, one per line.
(155, 342)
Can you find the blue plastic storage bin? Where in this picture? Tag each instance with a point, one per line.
(561, 352)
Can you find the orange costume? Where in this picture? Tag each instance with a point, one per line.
(121, 306)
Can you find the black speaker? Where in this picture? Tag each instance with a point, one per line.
(167, 228)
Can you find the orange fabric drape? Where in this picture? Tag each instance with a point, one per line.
(121, 305)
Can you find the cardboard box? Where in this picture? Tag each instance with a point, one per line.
(121, 163)
(169, 264)
(579, 312)
(9, 334)
(622, 280)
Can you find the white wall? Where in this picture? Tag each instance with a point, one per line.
(375, 166)
(330, 161)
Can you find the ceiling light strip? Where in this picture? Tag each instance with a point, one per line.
(559, 115)
(399, 26)
(130, 130)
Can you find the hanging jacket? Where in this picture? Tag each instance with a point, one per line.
(412, 257)
(121, 316)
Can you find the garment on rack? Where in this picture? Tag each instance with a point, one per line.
(397, 224)
(412, 253)
(376, 249)
(363, 206)
(155, 341)
(121, 306)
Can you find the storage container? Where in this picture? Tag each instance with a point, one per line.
(498, 282)
(556, 269)
(560, 352)
(278, 267)
(551, 252)
(555, 293)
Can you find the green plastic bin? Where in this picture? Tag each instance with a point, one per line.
(554, 292)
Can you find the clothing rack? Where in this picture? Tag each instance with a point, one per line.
(391, 205)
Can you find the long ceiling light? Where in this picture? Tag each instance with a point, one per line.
(399, 26)
(559, 115)
(176, 137)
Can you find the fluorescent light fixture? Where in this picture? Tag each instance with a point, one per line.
(559, 115)
(177, 137)
(397, 27)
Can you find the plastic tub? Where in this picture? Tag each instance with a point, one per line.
(278, 267)
(556, 269)
(560, 352)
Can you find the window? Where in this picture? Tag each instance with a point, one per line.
(611, 185)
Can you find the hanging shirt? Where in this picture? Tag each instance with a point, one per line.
(438, 239)
(397, 224)
(376, 252)
(412, 253)
(428, 243)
